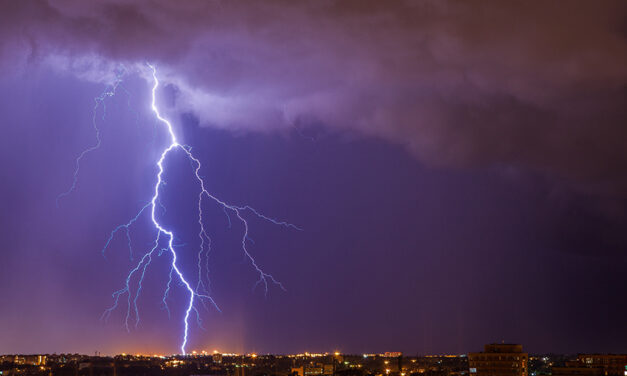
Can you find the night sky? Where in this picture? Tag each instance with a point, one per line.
(458, 169)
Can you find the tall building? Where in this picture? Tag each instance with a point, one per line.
(499, 359)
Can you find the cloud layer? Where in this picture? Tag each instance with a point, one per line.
(537, 85)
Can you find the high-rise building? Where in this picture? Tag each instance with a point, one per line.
(499, 359)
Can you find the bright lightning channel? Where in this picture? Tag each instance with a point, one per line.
(200, 293)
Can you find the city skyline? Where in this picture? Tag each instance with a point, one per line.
(496, 359)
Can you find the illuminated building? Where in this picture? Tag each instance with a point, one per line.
(576, 368)
(314, 369)
(597, 364)
(394, 354)
(499, 360)
(612, 364)
(217, 358)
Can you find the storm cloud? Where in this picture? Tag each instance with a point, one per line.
(535, 85)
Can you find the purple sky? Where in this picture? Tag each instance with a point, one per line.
(458, 171)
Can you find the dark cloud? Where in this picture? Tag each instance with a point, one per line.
(540, 85)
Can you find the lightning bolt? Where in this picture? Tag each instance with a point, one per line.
(100, 100)
(201, 292)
